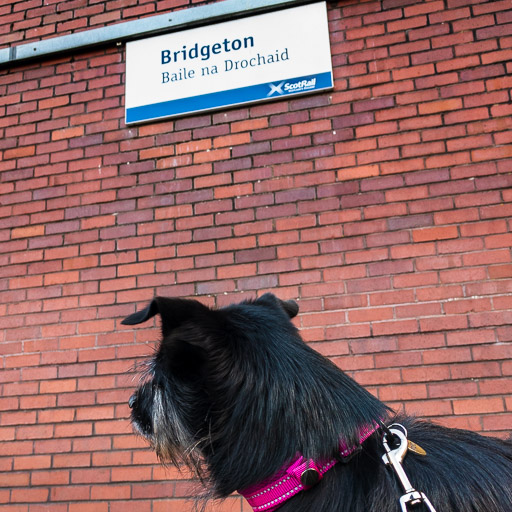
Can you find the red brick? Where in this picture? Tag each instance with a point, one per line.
(400, 112)
(395, 327)
(413, 72)
(462, 89)
(68, 133)
(430, 408)
(92, 507)
(27, 232)
(110, 492)
(448, 355)
(457, 389)
(347, 331)
(499, 422)
(33, 495)
(440, 106)
(478, 406)
(376, 377)
(407, 24)
(404, 392)
(426, 374)
(378, 77)
(368, 315)
(452, 159)
(437, 233)
(418, 310)
(311, 127)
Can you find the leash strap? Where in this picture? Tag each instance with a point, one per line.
(301, 475)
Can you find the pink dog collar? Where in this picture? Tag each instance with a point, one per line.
(301, 475)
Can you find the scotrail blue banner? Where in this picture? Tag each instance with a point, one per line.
(232, 97)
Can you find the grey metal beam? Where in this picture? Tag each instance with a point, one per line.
(131, 30)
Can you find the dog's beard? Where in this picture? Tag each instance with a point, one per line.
(157, 418)
(171, 439)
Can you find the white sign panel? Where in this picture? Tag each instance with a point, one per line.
(259, 58)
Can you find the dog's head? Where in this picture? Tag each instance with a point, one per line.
(204, 362)
(235, 392)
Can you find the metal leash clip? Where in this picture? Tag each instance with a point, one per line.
(394, 457)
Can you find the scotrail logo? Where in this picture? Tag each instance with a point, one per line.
(276, 89)
(292, 87)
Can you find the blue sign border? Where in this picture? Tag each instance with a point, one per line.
(266, 91)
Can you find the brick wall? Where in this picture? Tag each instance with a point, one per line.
(33, 20)
(384, 206)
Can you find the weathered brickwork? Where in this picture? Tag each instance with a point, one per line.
(384, 206)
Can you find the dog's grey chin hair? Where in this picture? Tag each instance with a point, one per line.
(171, 440)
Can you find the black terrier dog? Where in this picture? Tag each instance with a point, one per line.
(237, 396)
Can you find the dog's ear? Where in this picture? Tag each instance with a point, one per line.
(173, 312)
(145, 314)
(290, 306)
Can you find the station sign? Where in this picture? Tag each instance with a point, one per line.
(259, 58)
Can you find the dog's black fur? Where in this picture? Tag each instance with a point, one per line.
(235, 394)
